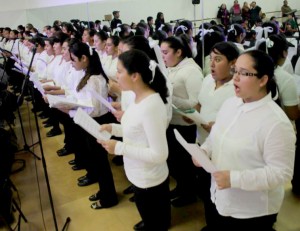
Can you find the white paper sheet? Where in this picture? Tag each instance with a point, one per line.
(37, 84)
(66, 103)
(191, 114)
(196, 152)
(90, 125)
(102, 100)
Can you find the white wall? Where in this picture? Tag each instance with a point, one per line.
(40, 13)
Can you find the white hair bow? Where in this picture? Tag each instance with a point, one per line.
(203, 32)
(182, 27)
(267, 30)
(232, 29)
(118, 29)
(161, 26)
(153, 43)
(152, 67)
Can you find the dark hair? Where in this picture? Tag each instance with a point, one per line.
(102, 35)
(136, 61)
(209, 40)
(158, 16)
(115, 40)
(276, 51)
(37, 41)
(149, 18)
(264, 65)
(272, 25)
(177, 43)
(60, 37)
(183, 24)
(125, 31)
(167, 28)
(94, 68)
(140, 31)
(233, 34)
(159, 35)
(139, 42)
(228, 49)
(69, 27)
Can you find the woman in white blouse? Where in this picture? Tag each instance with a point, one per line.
(88, 153)
(186, 78)
(252, 145)
(144, 147)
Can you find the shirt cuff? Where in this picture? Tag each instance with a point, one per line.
(119, 148)
(235, 179)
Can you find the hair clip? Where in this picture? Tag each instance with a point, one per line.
(203, 32)
(161, 26)
(267, 30)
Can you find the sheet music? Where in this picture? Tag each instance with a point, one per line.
(37, 84)
(50, 83)
(102, 100)
(90, 125)
(66, 103)
(24, 70)
(192, 114)
(195, 151)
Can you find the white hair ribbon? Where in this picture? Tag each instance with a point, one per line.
(90, 48)
(133, 31)
(232, 29)
(161, 26)
(118, 29)
(152, 67)
(259, 32)
(182, 27)
(269, 44)
(203, 32)
(153, 42)
(267, 30)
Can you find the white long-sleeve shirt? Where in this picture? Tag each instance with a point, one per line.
(110, 67)
(211, 100)
(186, 79)
(144, 147)
(256, 143)
(99, 85)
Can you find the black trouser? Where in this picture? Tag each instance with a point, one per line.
(180, 161)
(234, 224)
(154, 206)
(67, 123)
(296, 176)
(97, 165)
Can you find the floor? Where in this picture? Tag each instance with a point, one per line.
(70, 200)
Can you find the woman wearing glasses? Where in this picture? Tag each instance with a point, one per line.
(252, 145)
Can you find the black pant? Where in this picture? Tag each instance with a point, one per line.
(180, 161)
(296, 177)
(154, 206)
(234, 224)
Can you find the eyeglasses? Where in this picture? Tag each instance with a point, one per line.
(243, 72)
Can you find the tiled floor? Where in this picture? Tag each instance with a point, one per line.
(72, 201)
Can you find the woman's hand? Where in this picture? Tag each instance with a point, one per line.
(207, 127)
(108, 145)
(106, 127)
(196, 163)
(188, 120)
(118, 115)
(222, 179)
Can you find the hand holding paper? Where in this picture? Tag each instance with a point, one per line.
(102, 100)
(90, 125)
(191, 114)
(197, 153)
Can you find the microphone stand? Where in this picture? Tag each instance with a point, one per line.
(26, 147)
(25, 82)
